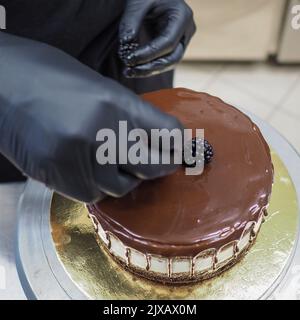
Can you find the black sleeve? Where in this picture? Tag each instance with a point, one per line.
(70, 25)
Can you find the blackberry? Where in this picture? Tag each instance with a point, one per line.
(126, 52)
(208, 152)
(199, 147)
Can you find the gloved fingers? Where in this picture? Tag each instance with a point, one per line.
(159, 141)
(189, 34)
(164, 44)
(126, 183)
(101, 196)
(131, 21)
(117, 183)
(163, 133)
(151, 171)
(152, 118)
(157, 66)
(151, 163)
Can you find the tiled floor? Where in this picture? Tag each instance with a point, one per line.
(269, 91)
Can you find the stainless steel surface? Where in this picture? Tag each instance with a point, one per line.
(43, 276)
(10, 287)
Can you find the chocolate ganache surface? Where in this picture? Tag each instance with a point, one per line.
(181, 215)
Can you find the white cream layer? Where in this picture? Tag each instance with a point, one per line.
(206, 261)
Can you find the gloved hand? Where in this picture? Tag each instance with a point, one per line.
(174, 25)
(51, 108)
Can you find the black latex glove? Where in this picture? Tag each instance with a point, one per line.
(51, 108)
(174, 25)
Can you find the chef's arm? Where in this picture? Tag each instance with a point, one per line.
(51, 108)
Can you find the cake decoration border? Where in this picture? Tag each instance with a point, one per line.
(238, 247)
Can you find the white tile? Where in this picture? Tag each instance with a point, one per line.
(195, 76)
(288, 126)
(240, 99)
(292, 103)
(265, 81)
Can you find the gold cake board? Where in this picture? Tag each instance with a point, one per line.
(98, 276)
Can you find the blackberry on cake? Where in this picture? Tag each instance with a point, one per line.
(197, 151)
(208, 152)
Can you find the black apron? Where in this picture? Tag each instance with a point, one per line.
(85, 29)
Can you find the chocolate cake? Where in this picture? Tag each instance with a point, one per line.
(182, 228)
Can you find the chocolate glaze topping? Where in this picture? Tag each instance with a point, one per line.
(181, 215)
